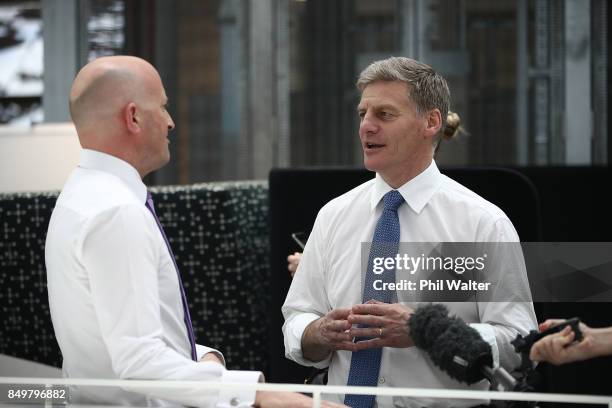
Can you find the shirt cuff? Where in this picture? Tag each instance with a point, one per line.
(238, 398)
(293, 340)
(201, 351)
(487, 333)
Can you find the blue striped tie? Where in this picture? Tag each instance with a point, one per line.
(365, 364)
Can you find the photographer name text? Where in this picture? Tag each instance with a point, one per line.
(432, 285)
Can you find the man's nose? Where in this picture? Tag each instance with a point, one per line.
(170, 123)
(367, 125)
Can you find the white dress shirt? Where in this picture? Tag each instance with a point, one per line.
(114, 293)
(437, 209)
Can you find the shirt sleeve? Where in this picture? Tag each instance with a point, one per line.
(507, 311)
(121, 253)
(201, 351)
(487, 332)
(306, 300)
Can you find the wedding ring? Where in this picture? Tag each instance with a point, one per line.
(380, 331)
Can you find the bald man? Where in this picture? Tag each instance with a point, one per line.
(116, 298)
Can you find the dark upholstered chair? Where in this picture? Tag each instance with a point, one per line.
(218, 232)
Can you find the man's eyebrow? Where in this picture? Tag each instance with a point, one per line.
(386, 106)
(378, 107)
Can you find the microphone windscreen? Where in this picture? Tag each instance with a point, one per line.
(452, 345)
(426, 324)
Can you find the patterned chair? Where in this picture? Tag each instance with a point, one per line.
(219, 234)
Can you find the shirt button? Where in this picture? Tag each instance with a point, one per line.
(234, 402)
(381, 380)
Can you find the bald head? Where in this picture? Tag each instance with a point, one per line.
(118, 106)
(105, 85)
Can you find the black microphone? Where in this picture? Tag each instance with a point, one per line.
(456, 348)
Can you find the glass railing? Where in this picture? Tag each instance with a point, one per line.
(50, 392)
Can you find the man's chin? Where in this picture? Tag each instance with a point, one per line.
(372, 165)
(165, 161)
(162, 162)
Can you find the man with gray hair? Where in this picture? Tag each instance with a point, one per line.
(332, 317)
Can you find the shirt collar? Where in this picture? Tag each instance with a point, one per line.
(95, 160)
(416, 192)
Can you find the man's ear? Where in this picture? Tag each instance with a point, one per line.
(433, 124)
(131, 117)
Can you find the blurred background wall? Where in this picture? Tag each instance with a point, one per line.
(270, 83)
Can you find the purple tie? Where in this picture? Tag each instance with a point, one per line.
(151, 208)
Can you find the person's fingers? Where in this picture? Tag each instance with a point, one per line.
(567, 336)
(294, 258)
(549, 323)
(572, 352)
(379, 309)
(558, 351)
(374, 302)
(292, 263)
(552, 348)
(335, 337)
(367, 320)
(335, 329)
(328, 404)
(535, 353)
(368, 344)
(366, 332)
(540, 349)
(211, 357)
(544, 351)
(339, 314)
(337, 325)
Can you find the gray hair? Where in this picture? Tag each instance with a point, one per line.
(427, 89)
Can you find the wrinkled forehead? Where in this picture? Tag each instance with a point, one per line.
(385, 93)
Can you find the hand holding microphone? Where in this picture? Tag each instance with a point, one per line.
(568, 341)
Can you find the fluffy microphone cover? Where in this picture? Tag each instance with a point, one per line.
(452, 345)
